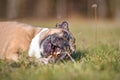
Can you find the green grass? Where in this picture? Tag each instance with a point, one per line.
(97, 56)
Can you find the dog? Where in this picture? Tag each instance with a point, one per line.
(42, 43)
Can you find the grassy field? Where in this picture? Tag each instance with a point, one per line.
(97, 56)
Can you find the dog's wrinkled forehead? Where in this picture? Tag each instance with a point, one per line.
(62, 33)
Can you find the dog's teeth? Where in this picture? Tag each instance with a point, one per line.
(58, 53)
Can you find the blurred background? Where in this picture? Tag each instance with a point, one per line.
(95, 25)
(59, 9)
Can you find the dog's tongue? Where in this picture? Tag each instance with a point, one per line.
(57, 52)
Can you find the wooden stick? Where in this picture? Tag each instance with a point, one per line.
(70, 57)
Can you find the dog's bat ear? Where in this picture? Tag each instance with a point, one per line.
(63, 25)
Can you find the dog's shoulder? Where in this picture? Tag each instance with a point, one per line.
(15, 35)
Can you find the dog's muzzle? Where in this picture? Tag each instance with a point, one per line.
(56, 47)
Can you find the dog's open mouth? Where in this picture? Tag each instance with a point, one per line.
(57, 52)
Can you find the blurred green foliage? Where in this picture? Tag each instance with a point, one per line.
(94, 60)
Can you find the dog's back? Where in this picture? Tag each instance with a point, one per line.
(14, 36)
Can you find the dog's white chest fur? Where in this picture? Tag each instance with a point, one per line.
(35, 49)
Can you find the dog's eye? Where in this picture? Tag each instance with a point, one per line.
(66, 36)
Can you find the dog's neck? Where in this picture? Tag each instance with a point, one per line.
(34, 49)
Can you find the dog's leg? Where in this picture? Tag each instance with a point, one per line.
(11, 52)
(12, 56)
